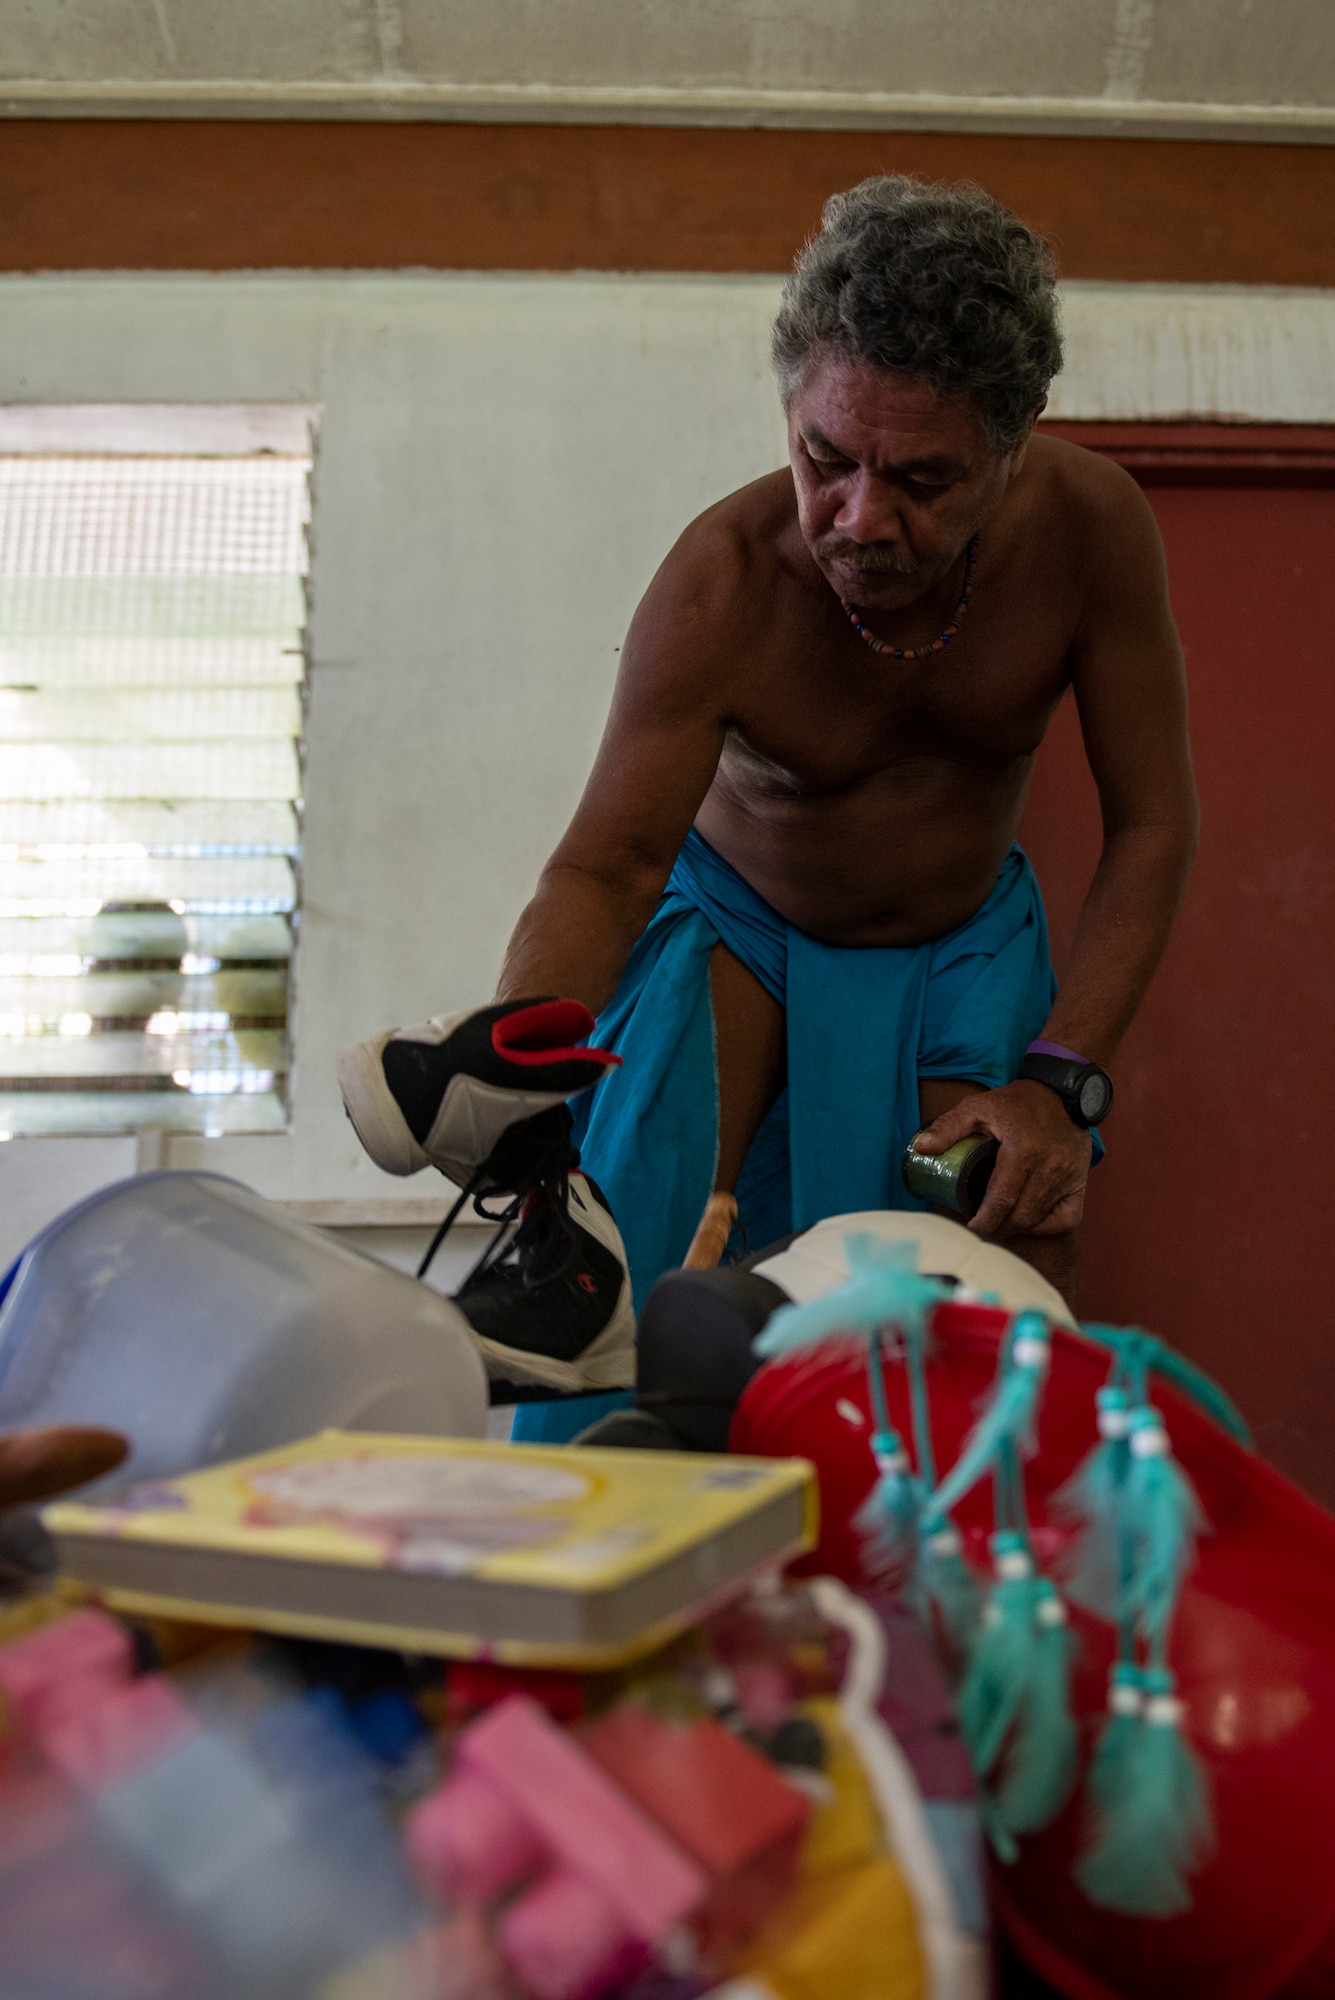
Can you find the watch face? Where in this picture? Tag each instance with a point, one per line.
(1094, 1095)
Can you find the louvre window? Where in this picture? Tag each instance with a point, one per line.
(152, 613)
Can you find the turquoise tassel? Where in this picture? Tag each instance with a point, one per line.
(1015, 1709)
(999, 1836)
(998, 1675)
(993, 1647)
(1132, 1346)
(888, 1517)
(1161, 1517)
(1091, 1569)
(1009, 1418)
(944, 1587)
(951, 1589)
(1041, 1761)
(1155, 1824)
(1126, 1701)
(883, 1288)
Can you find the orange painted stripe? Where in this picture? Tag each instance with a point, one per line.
(235, 194)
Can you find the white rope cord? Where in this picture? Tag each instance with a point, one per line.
(956, 1966)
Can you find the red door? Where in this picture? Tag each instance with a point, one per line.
(1212, 1221)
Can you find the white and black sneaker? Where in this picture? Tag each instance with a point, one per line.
(444, 1093)
(550, 1301)
(482, 1097)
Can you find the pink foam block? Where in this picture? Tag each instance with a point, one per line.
(566, 1940)
(582, 1817)
(38, 1670)
(131, 1725)
(720, 1799)
(468, 1840)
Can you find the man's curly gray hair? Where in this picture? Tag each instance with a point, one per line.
(930, 280)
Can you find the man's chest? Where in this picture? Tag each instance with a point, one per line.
(821, 711)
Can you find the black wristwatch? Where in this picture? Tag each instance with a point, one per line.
(1084, 1088)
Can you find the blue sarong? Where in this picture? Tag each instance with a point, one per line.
(862, 1026)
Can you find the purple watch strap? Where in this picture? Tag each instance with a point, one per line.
(1056, 1049)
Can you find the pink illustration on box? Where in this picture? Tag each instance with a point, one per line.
(442, 1516)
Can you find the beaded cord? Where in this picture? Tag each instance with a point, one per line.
(937, 645)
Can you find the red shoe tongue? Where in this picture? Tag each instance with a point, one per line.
(547, 1032)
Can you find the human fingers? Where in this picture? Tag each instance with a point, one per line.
(1064, 1216)
(1006, 1187)
(1060, 1172)
(36, 1464)
(963, 1118)
(1050, 1183)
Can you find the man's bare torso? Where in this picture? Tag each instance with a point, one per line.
(871, 800)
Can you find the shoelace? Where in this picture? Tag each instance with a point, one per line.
(546, 1173)
(544, 1245)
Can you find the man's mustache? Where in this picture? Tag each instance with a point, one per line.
(871, 558)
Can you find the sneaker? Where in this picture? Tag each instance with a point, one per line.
(444, 1093)
(631, 1430)
(550, 1302)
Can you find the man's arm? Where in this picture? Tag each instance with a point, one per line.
(657, 760)
(1131, 693)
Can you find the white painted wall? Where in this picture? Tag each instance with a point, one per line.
(503, 462)
(1258, 352)
(1235, 66)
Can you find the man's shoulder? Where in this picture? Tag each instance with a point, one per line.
(1092, 510)
(1100, 527)
(716, 583)
(1082, 483)
(741, 535)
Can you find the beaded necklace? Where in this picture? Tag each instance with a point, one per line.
(937, 645)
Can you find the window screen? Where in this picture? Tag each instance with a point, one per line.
(152, 612)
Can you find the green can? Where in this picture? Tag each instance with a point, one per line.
(954, 1179)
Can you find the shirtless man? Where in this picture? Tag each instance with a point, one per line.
(832, 693)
